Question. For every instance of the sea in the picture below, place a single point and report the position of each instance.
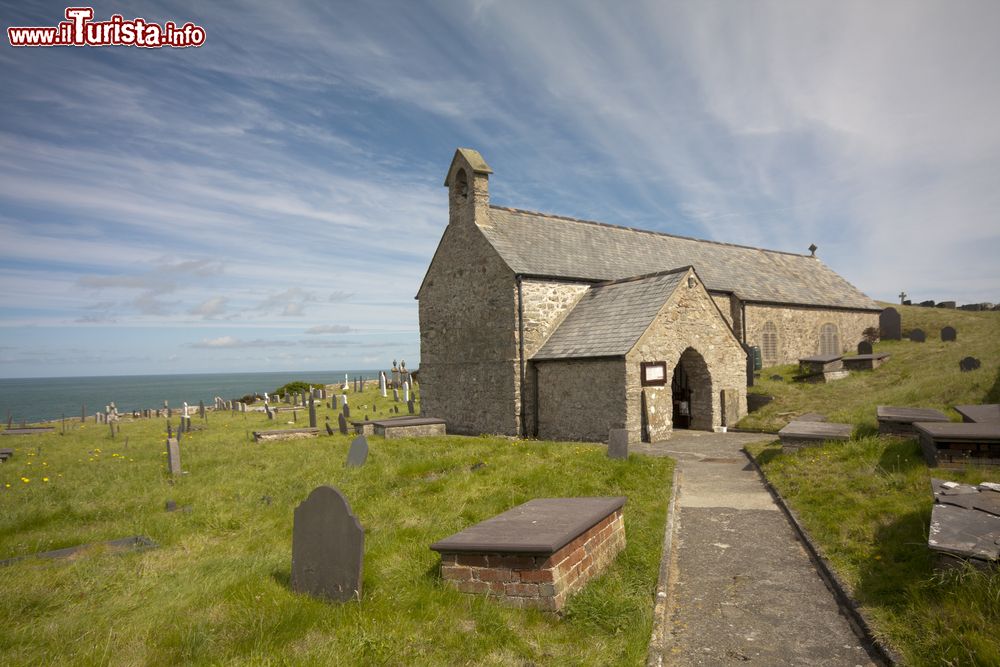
(42, 399)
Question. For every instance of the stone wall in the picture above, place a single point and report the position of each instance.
(539, 582)
(799, 328)
(580, 399)
(546, 304)
(468, 320)
(689, 319)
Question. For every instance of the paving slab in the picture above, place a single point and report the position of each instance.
(743, 588)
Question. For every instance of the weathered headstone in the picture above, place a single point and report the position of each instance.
(410, 407)
(358, 453)
(347, 410)
(173, 456)
(890, 324)
(969, 364)
(395, 394)
(948, 334)
(864, 347)
(918, 336)
(329, 429)
(312, 412)
(201, 409)
(328, 546)
(267, 409)
(618, 444)
(342, 421)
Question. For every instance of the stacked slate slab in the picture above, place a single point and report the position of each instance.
(899, 421)
(865, 362)
(799, 434)
(982, 414)
(965, 522)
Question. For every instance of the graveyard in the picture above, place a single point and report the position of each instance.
(867, 502)
(200, 570)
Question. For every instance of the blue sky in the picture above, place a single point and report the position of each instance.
(271, 200)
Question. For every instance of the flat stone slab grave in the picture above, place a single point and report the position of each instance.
(798, 434)
(409, 427)
(822, 368)
(865, 362)
(29, 430)
(135, 543)
(956, 445)
(899, 421)
(538, 553)
(6, 454)
(983, 414)
(965, 521)
(286, 434)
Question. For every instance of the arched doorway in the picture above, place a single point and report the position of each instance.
(691, 392)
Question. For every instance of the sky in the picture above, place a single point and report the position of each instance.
(271, 199)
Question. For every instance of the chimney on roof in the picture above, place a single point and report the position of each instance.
(812, 250)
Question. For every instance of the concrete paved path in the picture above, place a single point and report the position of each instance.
(743, 589)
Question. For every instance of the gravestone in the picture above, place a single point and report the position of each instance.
(927, 304)
(358, 453)
(729, 400)
(864, 347)
(347, 410)
(201, 409)
(969, 364)
(267, 409)
(410, 407)
(918, 336)
(395, 394)
(312, 413)
(329, 429)
(618, 444)
(342, 420)
(890, 324)
(174, 456)
(327, 547)
(946, 304)
(948, 334)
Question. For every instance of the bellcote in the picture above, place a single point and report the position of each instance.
(468, 187)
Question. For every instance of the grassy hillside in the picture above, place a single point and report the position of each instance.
(868, 502)
(917, 375)
(216, 590)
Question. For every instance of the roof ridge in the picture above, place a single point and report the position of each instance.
(643, 276)
(645, 231)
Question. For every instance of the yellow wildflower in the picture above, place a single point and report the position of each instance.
(45, 479)
(25, 480)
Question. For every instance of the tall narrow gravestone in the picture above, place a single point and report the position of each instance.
(347, 410)
(173, 456)
(312, 412)
(618, 444)
(358, 453)
(328, 545)
(890, 324)
(343, 423)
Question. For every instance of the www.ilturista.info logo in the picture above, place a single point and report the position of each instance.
(79, 29)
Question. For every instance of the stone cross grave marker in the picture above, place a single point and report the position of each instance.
(948, 334)
(328, 545)
(173, 456)
(918, 336)
(890, 324)
(864, 347)
(342, 421)
(312, 412)
(358, 453)
(968, 364)
(618, 444)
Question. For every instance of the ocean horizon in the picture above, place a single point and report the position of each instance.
(44, 399)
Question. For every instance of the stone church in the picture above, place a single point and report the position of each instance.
(542, 325)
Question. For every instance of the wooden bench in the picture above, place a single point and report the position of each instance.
(28, 430)
(536, 554)
(286, 434)
(865, 362)
(899, 421)
(799, 434)
(6, 454)
(409, 427)
(979, 414)
(957, 445)
(821, 368)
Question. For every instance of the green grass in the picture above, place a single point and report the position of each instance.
(216, 591)
(917, 375)
(868, 504)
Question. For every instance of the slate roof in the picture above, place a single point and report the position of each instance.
(546, 245)
(608, 319)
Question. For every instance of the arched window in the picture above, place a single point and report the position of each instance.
(829, 339)
(461, 185)
(769, 344)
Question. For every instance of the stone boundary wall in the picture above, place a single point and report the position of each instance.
(539, 582)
